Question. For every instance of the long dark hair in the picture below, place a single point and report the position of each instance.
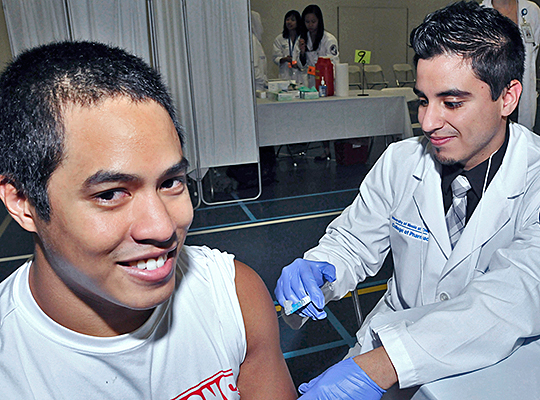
(299, 23)
(313, 9)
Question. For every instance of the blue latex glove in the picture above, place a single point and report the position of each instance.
(345, 380)
(304, 277)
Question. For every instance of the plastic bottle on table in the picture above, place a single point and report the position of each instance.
(322, 88)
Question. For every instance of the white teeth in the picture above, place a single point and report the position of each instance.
(161, 261)
(150, 264)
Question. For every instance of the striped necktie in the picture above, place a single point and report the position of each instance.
(456, 215)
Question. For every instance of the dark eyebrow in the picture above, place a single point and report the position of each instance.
(179, 168)
(447, 93)
(111, 176)
(454, 93)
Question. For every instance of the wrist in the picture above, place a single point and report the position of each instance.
(378, 366)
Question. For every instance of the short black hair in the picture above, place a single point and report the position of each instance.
(37, 87)
(491, 41)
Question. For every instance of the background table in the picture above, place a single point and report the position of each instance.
(379, 114)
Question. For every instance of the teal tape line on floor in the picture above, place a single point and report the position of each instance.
(351, 341)
(314, 349)
(244, 208)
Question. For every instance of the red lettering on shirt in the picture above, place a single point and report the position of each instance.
(220, 386)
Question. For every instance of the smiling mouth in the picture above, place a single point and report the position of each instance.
(151, 264)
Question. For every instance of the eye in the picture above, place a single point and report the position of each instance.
(422, 103)
(175, 183)
(110, 196)
(453, 104)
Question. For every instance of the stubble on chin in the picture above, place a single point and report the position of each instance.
(442, 159)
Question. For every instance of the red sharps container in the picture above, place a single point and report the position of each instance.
(324, 67)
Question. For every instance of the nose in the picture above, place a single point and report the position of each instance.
(430, 118)
(152, 222)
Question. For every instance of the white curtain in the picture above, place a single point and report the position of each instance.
(202, 48)
(171, 54)
(118, 22)
(31, 23)
(218, 62)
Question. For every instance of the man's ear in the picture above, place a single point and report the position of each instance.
(18, 206)
(510, 97)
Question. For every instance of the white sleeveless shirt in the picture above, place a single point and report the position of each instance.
(190, 348)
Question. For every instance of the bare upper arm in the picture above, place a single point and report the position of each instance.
(264, 373)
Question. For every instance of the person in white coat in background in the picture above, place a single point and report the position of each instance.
(316, 42)
(454, 304)
(259, 57)
(526, 14)
(286, 50)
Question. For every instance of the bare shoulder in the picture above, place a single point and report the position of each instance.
(264, 373)
(251, 288)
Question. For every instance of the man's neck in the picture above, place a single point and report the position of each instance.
(508, 8)
(504, 3)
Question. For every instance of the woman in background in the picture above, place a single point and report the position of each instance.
(286, 50)
(314, 43)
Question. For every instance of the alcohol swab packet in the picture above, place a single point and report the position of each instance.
(290, 307)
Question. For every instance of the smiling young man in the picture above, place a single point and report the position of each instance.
(466, 281)
(113, 305)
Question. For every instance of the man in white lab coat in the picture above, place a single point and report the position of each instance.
(455, 303)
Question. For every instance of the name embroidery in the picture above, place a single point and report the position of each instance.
(221, 386)
(410, 230)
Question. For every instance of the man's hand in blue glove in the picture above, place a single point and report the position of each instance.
(345, 380)
(304, 277)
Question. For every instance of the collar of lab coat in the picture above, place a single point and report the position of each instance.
(491, 214)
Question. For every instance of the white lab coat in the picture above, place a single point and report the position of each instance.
(328, 47)
(284, 47)
(528, 100)
(477, 301)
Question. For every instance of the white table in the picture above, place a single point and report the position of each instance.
(379, 114)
